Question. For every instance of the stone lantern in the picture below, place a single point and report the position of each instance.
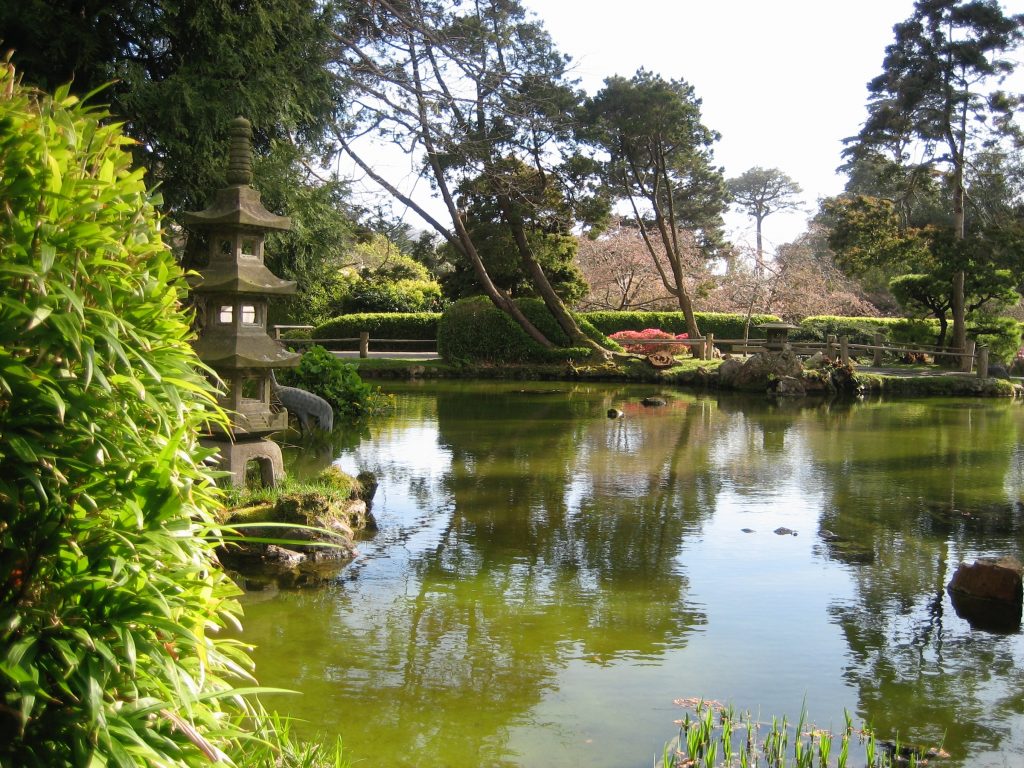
(777, 335)
(231, 295)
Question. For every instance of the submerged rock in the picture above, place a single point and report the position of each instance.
(728, 372)
(653, 401)
(790, 386)
(989, 593)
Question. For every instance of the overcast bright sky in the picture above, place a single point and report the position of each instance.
(783, 81)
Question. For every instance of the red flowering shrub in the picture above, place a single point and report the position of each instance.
(640, 342)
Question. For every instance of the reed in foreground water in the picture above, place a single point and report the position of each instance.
(713, 735)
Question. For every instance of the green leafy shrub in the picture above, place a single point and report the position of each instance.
(110, 596)
(336, 382)
(383, 325)
(1001, 334)
(862, 330)
(723, 325)
(474, 330)
(378, 295)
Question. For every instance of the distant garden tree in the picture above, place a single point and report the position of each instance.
(867, 236)
(659, 159)
(760, 192)
(618, 270)
(479, 93)
(378, 277)
(937, 103)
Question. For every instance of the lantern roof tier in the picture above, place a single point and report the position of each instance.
(237, 206)
(242, 278)
(232, 353)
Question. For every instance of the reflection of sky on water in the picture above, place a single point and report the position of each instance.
(622, 579)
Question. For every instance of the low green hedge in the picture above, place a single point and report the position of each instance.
(1003, 334)
(382, 325)
(862, 330)
(723, 325)
(474, 330)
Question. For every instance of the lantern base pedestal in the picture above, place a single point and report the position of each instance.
(235, 457)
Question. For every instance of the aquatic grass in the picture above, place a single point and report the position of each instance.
(735, 738)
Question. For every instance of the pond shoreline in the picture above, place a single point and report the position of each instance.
(699, 375)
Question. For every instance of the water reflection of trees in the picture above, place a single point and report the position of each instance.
(906, 510)
(549, 534)
(559, 546)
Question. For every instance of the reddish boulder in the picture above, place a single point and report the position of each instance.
(989, 593)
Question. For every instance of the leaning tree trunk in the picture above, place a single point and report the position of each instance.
(540, 282)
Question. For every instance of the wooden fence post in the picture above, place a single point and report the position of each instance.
(844, 350)
(876, 359)
(709, 346)
(364, 344)
(830, 344)
(967, 361)
(983, 361)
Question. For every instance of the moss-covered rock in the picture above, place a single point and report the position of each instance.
(289, 537)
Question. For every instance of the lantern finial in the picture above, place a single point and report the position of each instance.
(240, 152)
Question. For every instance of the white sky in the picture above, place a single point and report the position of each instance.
(783, 81)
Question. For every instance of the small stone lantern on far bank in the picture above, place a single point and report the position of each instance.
(777, 335)
(231, 295)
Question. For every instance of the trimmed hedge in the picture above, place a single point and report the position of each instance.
(1003, 340)
(474, 330)
(383, 325)
(723, 325)
(862, 330)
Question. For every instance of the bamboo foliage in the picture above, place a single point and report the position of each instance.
(110, 596)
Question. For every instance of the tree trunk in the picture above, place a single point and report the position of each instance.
(959, 228)
(759, 257)
(943, 326)
(958, 299)
(540, 282)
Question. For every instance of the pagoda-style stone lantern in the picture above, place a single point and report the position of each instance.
(231, 296)
(777, 335)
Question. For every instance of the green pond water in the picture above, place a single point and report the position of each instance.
(547, 581)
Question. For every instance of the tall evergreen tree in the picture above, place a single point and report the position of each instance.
(660, 160)
(760, 192)
(937, 101)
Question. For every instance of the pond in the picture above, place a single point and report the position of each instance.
(547, 581)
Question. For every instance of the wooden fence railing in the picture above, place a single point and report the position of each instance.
(363, 340)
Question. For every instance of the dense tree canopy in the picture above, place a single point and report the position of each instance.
(937, 102)
(480, 93)
(660, 160)
(177, 73)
